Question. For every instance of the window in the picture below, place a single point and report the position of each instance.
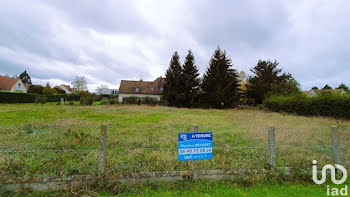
(19, 85)
(152, 89)
(137, 89)
(161, 89)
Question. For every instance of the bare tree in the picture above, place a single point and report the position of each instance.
(101, 87)
(79, 83)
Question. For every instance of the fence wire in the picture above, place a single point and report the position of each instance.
(34, 151)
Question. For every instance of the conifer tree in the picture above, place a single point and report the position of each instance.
(269, 80)
(220, 82)
(190, 81)
(172, 91)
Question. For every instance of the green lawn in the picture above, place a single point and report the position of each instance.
(199, 188)
(240, 139)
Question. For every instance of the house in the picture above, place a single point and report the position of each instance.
(66, 88)
(316, 92)
(106, 91)
(141, 88)
(9, 84)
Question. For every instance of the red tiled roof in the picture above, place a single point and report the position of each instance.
(6, 83)
(145, 87)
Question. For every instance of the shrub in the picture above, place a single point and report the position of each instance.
(143, 100)
(86, 101)
(66, 97)
(104, 101)
(10, 97)
(71, 103)
(330, 105)
(40, 99)
(113, 101)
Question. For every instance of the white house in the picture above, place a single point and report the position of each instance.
(12, 84)
(141, 88)
(106, 91)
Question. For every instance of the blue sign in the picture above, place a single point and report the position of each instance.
(195, 146)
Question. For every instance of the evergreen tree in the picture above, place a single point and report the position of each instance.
(268, 80)
(190, 81)
(173, 88)
(25, 78)
(220, 82)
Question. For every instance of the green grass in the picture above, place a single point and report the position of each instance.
(198, 188)
(240, 138)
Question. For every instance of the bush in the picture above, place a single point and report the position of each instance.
(113, 101)
(10, 97)
(86, 101)
(104, 101)
(330, 105)
(40, 99)
(66, 97)
(71, 103)
(142, 100)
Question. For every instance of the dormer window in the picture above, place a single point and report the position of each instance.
(152, 89)
(137, 89)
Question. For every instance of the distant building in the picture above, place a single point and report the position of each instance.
(141, 88)
(9, 84)
(106, 91)
(316, 92)
(66, 88)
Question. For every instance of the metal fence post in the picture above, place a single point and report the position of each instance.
(271, 142)
(195, 174)
(103, 154)
(335, 145)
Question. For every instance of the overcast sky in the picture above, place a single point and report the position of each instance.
(107, 41)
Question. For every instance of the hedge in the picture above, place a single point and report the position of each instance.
(143, 100)
(11, 97)
(66, 97)
(337, 106)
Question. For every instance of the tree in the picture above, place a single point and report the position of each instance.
(343, 86)
(25, 78)
(314, 88)
(220, 82)
(191, 81)
(267, 77)
(79, 84)
(327, 87)
(173, 87)
(36, 89)
(100, 88)
(48, 90)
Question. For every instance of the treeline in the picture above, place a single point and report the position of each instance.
(222, 86)
(326, 104)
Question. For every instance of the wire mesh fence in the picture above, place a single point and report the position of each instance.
(37, 151)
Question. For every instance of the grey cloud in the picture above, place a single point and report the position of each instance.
(113, 40)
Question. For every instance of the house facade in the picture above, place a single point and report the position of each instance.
(107, 91)
(9, 84)
(141, 88)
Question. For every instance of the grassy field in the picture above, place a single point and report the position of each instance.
(240, 138)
